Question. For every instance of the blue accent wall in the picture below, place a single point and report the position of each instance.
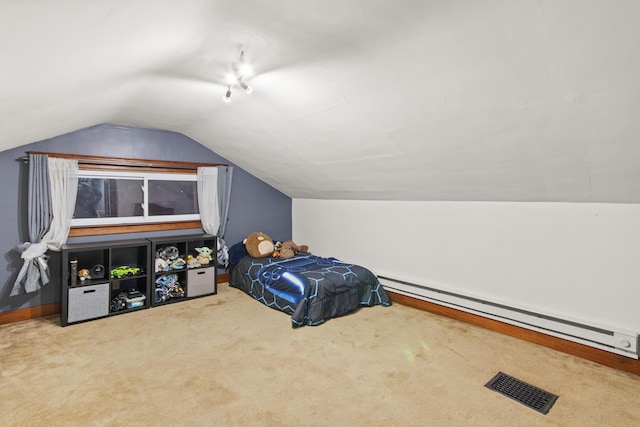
(255, 205)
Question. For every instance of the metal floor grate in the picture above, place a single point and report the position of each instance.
(522, 392)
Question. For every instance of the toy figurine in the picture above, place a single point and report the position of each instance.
(204, 255)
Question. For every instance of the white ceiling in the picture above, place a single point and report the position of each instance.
(509, 100)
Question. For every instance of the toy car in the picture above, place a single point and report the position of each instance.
(131, 299)
(119, 302)
(125, 271)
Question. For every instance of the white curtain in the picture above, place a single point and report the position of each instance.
(208, 199)
(63, 181)
(63, 174)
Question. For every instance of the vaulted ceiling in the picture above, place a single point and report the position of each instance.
(507, 100)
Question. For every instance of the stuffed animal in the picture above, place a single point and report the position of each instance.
(204, 255)
(192, 262)
(288, 249)
(259, 245)
(276, 249)
(161, 265)
(84, 274)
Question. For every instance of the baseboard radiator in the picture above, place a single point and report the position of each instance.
(621, 342)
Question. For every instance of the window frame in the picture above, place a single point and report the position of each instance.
(144, 177)
(102, 163)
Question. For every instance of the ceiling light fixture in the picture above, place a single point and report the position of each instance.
(240, 70)
(244, 86)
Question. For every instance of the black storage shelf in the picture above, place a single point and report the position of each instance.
(103, 296)
(97, 297)
(188, 284)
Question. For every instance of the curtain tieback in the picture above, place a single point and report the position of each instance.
(30, 251)
(33, 250)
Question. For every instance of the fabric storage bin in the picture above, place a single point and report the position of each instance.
(201, 281)
(88, 302)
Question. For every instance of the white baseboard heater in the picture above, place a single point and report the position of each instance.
(621, 342)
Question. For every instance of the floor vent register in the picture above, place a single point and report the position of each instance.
(528, 395)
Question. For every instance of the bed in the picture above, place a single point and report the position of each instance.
(310, 288)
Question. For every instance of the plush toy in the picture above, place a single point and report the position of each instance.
(161, 265)
(192, 262)
(276, 249)
(204, 255)
(288, 249)
(84, 274)
(259, 245)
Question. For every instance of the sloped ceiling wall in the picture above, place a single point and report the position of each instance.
(508, 100)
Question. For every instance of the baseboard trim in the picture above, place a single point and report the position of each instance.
(29, 313)
(602, 357)
(53, 308)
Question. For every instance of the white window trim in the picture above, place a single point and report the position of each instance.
(144, 219)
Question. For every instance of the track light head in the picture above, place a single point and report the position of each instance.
(227, 96)
(244, 86)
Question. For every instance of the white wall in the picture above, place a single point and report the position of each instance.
(571, 260)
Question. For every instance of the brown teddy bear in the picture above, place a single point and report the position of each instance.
(288, 249)
(259, 245)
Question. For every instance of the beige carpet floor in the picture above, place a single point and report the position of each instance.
(227, 360)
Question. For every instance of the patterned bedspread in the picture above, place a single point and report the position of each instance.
(310, 288)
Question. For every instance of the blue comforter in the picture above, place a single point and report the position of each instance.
(310, 288)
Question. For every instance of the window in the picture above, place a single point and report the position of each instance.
(114, 192)
(119, 197)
